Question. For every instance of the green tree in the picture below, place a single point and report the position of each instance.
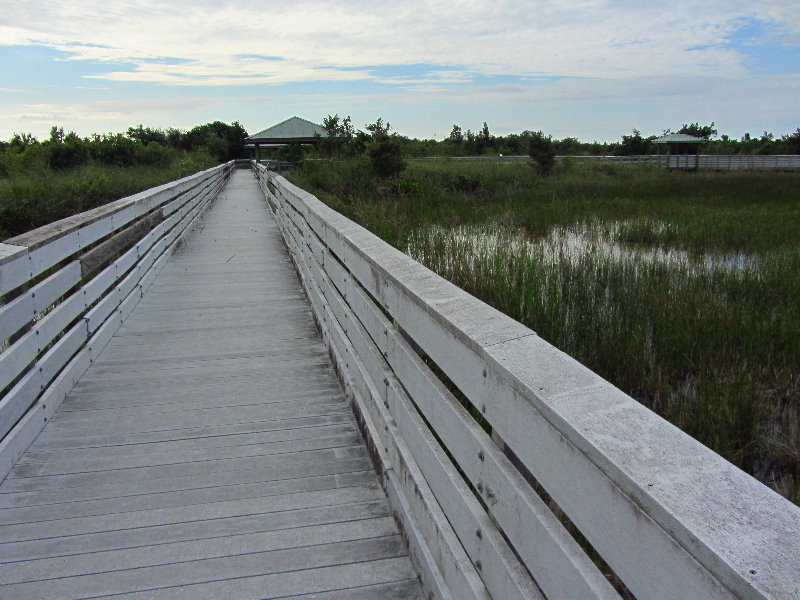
(339, 135)
(792, 141)
(384, 151)
(542, 150)
(635, 144)
(145, 135)
(224, 142)
(456, 136)
(702, 131)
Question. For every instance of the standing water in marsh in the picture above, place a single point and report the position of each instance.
(663, 324)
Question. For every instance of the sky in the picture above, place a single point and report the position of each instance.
(591, 69)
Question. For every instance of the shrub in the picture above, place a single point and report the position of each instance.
(384, 151)
(542, 150)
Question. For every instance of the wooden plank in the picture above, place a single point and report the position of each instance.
(15, 267)
(79, 564)
(90, 439)
(183, 498)
(311, 581)
(162, 516)
(22, 309)
(153, 457)
(194, 530)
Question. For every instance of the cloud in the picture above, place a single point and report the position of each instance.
(233, 43)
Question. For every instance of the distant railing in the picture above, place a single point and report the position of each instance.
(67, 287)
(733, 162)
(488, 490)
(709, 162)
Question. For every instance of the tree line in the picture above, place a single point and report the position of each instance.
(137, 146)
(482, 142)
(343, 140)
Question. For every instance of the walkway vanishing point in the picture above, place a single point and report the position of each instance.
(175, 426)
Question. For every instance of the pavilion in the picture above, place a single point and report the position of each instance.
(680, 144)
(291, 131)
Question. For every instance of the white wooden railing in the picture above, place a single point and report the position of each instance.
(733, 162)
(670, 518)
(68, 286)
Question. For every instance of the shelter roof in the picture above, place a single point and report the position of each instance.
(678, 138)
(291, 130)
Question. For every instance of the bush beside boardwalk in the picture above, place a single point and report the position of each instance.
(683, 294)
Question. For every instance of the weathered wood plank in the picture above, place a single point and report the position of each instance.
(78, 564)
(273, 474)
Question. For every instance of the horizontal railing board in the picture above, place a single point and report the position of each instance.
(14, 361)
(25, 307)
(457, 568)
(553, 395)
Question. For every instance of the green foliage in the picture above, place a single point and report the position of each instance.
(542, 150)
(340, 134)
(702, 131)
(384, 151)
(44, 181)
(292, 153)
(635, 144)
(456, 137)
(224, 142)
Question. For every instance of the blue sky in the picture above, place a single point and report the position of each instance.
(592, 69)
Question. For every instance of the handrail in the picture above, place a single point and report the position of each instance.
(68, 286)
(671, 518)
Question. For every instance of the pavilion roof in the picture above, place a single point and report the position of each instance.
(678, 138)
(293, 129)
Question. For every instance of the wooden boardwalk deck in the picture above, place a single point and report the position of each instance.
(209, 452)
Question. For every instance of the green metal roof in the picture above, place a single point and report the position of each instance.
(293, 129)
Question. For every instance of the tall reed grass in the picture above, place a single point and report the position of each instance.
(33, 197)
(680, 288)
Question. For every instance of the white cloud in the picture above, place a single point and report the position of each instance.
(319, 40)
(602, 65)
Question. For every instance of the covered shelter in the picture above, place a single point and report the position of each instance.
(680, 144)
(293, 130)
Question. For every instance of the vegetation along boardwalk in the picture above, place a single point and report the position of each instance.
(209, 451)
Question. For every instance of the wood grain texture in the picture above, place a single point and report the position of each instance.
(208, 452)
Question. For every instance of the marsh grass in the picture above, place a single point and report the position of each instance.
(680, 288)
(30, 198)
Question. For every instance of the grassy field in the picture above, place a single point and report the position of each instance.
(33, 197)
(680, 288)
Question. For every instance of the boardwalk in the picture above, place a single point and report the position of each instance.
(209, 452)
